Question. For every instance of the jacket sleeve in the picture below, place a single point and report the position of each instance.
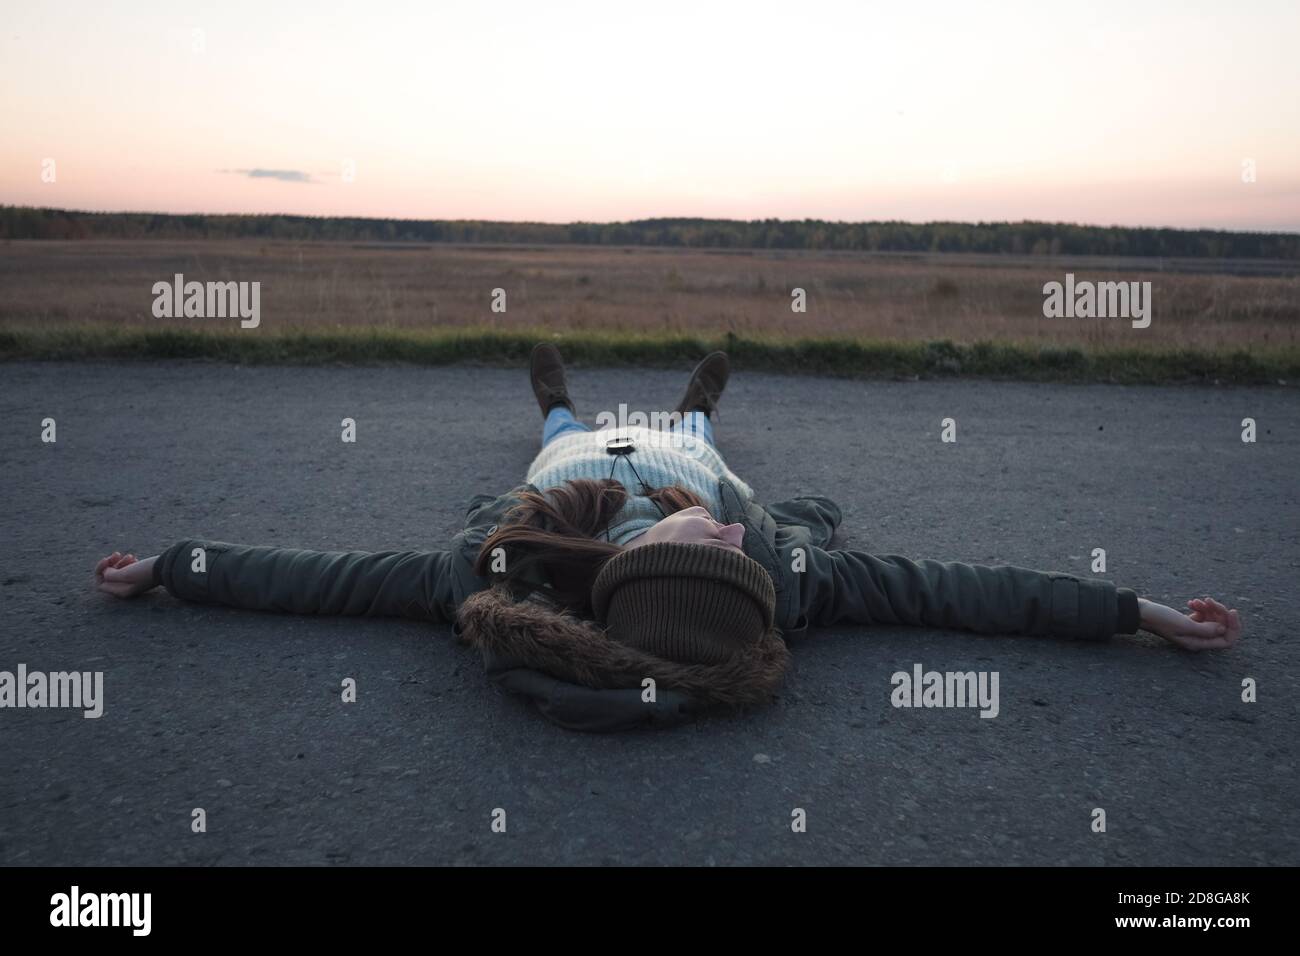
(842, 587)
(414, 584)
(817, 515)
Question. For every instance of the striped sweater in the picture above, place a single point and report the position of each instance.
(660, 458)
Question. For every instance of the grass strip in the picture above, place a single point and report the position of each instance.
(831, 357)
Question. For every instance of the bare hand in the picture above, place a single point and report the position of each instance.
(122, 576)
(1210, 626)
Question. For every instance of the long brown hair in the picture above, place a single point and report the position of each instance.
(552, 538)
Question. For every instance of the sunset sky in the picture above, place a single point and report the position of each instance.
(1135, 113)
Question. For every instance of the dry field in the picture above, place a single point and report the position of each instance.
(569, 288)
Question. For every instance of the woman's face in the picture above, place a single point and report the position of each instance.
(692, 526)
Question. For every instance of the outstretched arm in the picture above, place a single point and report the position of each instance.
(842, 587)
(389, 583)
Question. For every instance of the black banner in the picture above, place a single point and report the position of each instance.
(332, 905)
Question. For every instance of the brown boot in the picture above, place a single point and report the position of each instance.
(706, 384)
(546, 370)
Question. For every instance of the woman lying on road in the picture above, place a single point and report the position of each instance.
(634, 554)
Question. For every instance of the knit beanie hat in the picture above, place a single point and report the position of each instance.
(688, 603)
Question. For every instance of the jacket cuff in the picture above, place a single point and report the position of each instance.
(162, 568)
(1129, 618)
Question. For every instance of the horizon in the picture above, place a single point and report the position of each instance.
(1120, 115)
(614, 222)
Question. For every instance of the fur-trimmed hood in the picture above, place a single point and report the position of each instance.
(532, 635)
(512, 650)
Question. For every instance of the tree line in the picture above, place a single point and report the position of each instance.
(1016, 238)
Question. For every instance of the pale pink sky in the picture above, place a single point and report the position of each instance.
(1138, 113)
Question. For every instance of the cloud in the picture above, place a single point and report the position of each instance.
(283, 175)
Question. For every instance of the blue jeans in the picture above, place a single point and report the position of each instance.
(560, 421)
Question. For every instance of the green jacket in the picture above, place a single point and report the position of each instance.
(815, 587)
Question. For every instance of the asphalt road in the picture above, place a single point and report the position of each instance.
(240, 714)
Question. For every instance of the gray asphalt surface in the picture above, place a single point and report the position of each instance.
(239, 713)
